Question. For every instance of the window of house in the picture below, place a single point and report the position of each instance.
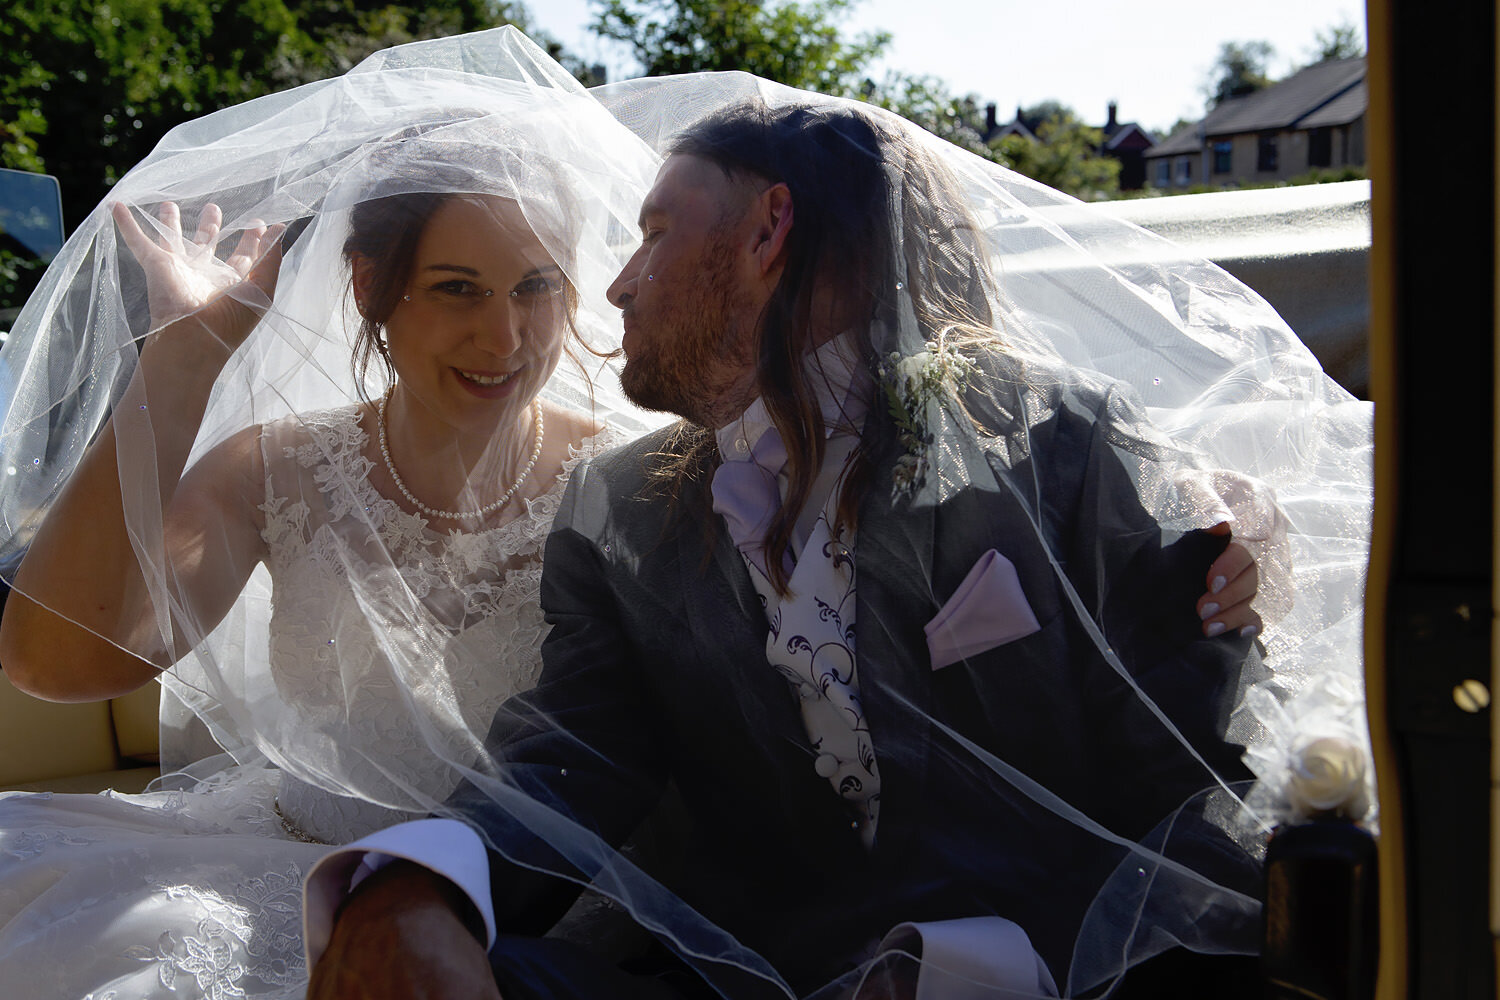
(1223, 156)
(1320, 147)
(1184, 170)
(1265, 154)
(1163, 173)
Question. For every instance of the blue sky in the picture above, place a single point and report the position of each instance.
(1085, 53)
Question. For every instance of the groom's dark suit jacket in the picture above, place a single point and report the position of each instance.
(655, 673)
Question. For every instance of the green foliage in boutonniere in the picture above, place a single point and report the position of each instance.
(916, 388)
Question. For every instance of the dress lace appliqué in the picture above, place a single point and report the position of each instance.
(367, 599)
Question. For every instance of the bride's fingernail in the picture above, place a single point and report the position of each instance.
(1208, 611)
(1217, 585)
(1217, 628)
(1249, 632)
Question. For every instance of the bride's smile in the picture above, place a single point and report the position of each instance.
(485, 380)
(478, 329)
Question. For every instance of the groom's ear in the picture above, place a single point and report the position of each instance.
(774, 225)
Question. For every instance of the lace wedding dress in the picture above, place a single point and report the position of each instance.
(197, 893)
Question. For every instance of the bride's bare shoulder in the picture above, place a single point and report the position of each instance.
(569, 427)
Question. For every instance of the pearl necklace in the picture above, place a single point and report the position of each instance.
(487, 509)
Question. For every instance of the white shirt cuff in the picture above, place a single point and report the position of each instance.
(972, 958)
(444, 846)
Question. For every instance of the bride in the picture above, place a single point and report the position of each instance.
(317, 435)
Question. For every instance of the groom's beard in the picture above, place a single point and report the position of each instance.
(697, 357)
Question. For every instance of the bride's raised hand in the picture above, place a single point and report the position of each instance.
(189, 287)
(72, 633)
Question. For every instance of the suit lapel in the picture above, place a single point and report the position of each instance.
(721, 591)
(729, 629)
(893, 600)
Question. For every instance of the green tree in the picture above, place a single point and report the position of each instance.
(926, 101)
(1240, 69)
(798, 44)
(1337, 41)
(88, 87)
(1064, 155)
(341, 33)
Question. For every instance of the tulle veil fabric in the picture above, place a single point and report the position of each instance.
(1204, 398)
(495, 116)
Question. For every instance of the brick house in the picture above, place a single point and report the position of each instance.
(1313, 119)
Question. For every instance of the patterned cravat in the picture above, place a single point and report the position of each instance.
(746, 493)
(811, 638)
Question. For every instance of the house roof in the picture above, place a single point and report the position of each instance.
(1342, 110)
(1017, 127)
(1325, 93)
(1129, 136)
(1285, 104)
(1184, 140)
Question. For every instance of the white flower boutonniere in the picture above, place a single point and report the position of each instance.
(916, 388)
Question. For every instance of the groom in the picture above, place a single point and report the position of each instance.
(936, 750)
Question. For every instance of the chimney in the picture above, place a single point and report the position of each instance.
(1111, 125)
(989, 119)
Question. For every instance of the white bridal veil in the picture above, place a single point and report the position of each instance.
(1204, 404)
(495, 117)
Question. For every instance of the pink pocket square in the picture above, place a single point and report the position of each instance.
(987, 610)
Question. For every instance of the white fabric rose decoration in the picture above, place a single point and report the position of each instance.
(1328, 779)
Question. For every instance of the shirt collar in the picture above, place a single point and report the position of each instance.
(842, 387)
